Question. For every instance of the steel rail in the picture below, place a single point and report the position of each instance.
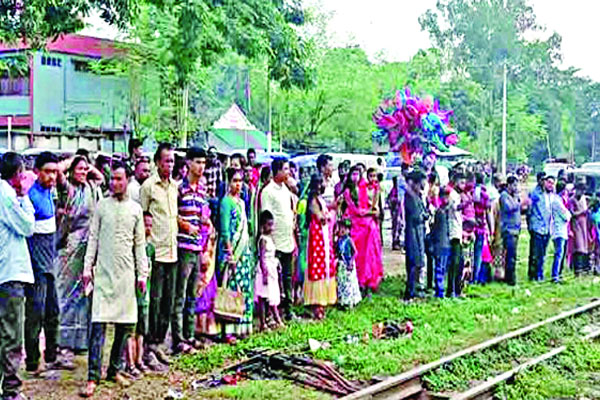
(408, 384)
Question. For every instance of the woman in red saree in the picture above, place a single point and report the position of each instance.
(320, 285)
(365, 232)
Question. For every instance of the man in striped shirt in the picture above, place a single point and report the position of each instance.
(194, 215)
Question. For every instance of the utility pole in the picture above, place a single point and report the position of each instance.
(504, 122)
(504, 109)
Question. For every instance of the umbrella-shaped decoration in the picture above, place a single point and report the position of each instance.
(413, 125)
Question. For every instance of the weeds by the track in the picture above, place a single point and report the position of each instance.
(575, 374)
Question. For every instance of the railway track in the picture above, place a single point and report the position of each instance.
(411, 386)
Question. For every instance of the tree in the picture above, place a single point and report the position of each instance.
(35, 21)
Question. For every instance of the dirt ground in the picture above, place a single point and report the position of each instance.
(66, 385)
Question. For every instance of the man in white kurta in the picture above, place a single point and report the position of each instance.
(115, 252)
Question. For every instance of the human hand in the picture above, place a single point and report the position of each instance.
(141, 285)
(193, 230)
(86, 281)
(265, 278)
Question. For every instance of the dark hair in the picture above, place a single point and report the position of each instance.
(45, 158)
(231, 172)
(147, 214)
(433, 177)
(159, 150)
(277, 165)
(11, 164)
(371, 170)
(292, 164)
(83, 152)
(479, 178)
(560, 185)
(322, 160)
(314, 190)
(379, 161)
(539, 176)
(265, 217)
(457, 176)
(416, 176)
(346, 223)
(241, 158)
(179, 165)
(195, 152)
(250, 151)
(265, 173)
(133, 144)
(141, 160)
(118, 164)
(511, 180)
(351, 186)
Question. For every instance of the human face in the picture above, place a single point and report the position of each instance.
(342, 171)
(118, 182)
(461, 184)
(372, 177)
(252, 158)
(283, 173)
(148, 224)
(235, 186)
(80, 172)
(328, 169)
(138, 152)
(197, 166)
(17, 182)
(47, 175)
(268, 227)
(355, 176)
(235, 163)
(142, 172)
(166, 163)
(549, 185)
(513, 188)
(343, 231)
(293, 172)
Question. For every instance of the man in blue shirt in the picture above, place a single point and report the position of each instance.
(41, 304)
(539, 224)
(16, 223)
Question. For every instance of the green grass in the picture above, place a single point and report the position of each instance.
(574, 374)
(441, 326)
(255, 390)
(462, 373)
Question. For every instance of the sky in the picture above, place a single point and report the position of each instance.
(391, 28)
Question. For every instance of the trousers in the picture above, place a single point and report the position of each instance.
(185, 297)
(285, 259)
(162, 298)
(97, 337)
(12, 315)
(455, 268)
(41, 311)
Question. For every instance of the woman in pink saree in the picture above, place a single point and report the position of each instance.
(365, 234)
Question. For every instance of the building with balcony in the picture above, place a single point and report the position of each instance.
(61, 101)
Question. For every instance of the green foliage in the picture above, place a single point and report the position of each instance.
(549, 109)
(38, 20)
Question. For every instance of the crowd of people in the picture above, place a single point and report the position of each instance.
(467, 232)
(179, 253)
(164, 249)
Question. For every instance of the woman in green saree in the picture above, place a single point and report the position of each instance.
(235, 252)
